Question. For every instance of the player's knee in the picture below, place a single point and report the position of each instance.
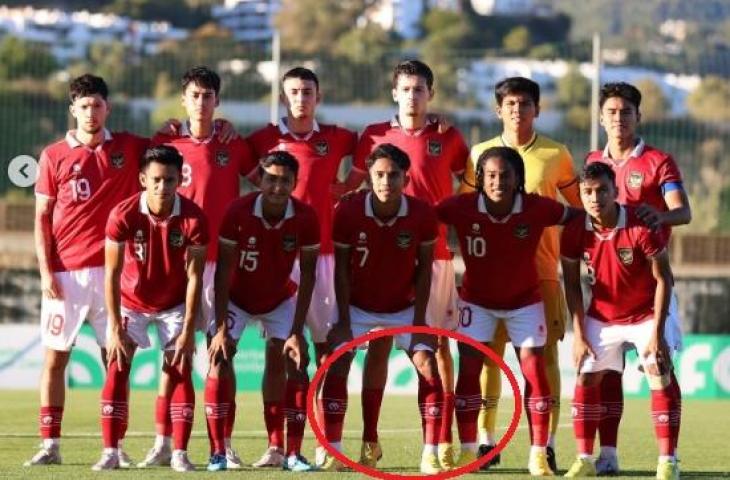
(56, 361)
(658, 381)
(341, 366)
(425, 363)
(466, 350)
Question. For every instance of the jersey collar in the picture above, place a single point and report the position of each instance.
(185, 132)
(402, 211)
(395, 123)
(284, 130)
(516, 208)
(608, 235)
(145, 209)
(258, 211)
(74, 142)
(523, 148)
(636, 152)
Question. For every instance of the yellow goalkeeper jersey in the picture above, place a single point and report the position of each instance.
(548, 169)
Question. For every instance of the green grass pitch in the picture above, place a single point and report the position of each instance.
(703, 444)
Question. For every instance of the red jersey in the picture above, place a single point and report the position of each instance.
(86, 183)
(499, 253)
(435, 159)
(383, 256)
(211, 171)
(643, 177)
(619, 266)
(154, 277)
(319, 155)
(265, 253)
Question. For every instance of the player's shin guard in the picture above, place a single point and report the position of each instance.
(586, 415)
(447, 418)
(333, 404)
(372, 399)
(182, 406)
(114, 404)
(274, 420)
(216, 413)
(537, 398)
(163, 423)
(677, 393)
(229, 389)
(49, 421)
(468, 397)
(666, 412)
(430, 404)
(296, 414)
(612, 408)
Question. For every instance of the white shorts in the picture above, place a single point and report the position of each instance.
(83, 300)
(206, 313)
(323, 308)
(608, 343)
(442, 310)
(673, 326)
(169, 325)
(363, 321)
(274, 324)
(525, 326)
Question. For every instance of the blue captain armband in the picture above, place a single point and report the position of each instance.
(671, 186)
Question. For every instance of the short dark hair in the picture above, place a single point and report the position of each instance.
(202, 76)
(87, 85)
(301, 73)
(389, 151)
(413, 67)
(515, 85)
(620, 89)
(164, 154)
(509, 155)
(596, 171)
(280, 158)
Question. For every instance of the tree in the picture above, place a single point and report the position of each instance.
(19, 58)
(366, 44)
(517, 41)
(654, 104)
(573, 89)
(710, 102)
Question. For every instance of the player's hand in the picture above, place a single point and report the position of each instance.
(119, 348)
(581, 350)
(51, 287)
(651, 217)
(171, 127)
(656, 356)
(338, 335)
(184, 346)
(221, 345)
(443, 121)
(226, 131)
(295, 348)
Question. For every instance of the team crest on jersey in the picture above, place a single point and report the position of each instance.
(362, 237)
(434, 148)
(522, 231)
(222, 158)
(322, 148)
(117, 160)
(475, 227)
(139, 237)
(289, 242)
(404, 239)
(252, 241)
(176, 238)
(626, 255)
(635, 179)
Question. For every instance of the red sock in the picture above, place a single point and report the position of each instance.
(296, 414)
(182, 406)
(430, 404)
(216, 414)
(666, 414)
(677, 394)
(333, 404)
(372, 399)
(586, 415)
(274, 420)
(49, 421)
(537, 398)
(612, 408)
(231, 418)
(125, 422)
(163, 424)
(447, 418)
(114, 404)
(468, 397)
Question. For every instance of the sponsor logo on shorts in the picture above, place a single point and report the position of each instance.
(222, 158)
(626, 255)
(522, 230)
(434, 148)
(176, 238)
(117, 160)
(322, 148)
(404, 239)
(289, 242)
(635, 179)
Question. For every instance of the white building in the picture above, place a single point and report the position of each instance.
(401, 16)
(502, 7)
(248, 20)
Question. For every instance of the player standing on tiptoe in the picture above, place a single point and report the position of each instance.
(548, 170)
(631, 284)
(262, 235)
(648, 179)
(81, 178)
(499, 228)
(155, 253)
(384, 234)
(437, 158)
(319, 149)
(210, 178)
